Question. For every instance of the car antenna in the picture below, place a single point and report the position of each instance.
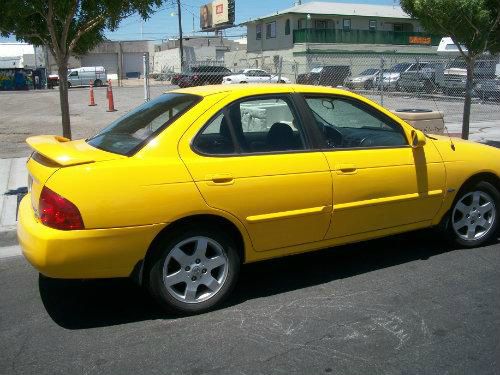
(448, 134)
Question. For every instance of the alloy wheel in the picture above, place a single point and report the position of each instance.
(195, 269)
(474, 215)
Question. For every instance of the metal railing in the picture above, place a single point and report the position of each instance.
(364, 37)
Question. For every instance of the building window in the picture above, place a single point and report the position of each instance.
(287, 27)
(302, 24)
(320, 24)
(372, 25)
(398, 27)
(271, 30)
(346, 24)
(258, 32)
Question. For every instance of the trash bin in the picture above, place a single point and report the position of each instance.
(427, 120)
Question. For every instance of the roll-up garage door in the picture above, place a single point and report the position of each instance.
(108, 60)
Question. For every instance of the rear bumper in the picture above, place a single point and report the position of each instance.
(82, 254)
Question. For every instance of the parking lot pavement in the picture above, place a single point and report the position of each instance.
(403, 305)
(30, 113)
(37, 112)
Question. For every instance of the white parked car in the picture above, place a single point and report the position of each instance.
(254, 76)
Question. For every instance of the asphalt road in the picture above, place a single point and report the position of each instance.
(403, 305)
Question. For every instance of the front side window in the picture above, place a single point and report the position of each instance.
(287, 27)
(271, 30)
(126, 134)
(350, 124)
(258, 125)
(73, 74)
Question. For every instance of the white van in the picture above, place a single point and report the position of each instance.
(84, 75)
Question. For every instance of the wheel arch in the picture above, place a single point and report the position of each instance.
(489, 177)
(142, 269)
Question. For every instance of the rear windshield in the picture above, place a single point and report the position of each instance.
(129, 133)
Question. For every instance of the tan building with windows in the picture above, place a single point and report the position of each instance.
(334, 27)
(336, 23)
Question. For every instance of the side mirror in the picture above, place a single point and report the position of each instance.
(417, 138)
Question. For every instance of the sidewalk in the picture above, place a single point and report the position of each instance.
(13, 180)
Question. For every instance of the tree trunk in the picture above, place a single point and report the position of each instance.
(63, 98)
(468, 97)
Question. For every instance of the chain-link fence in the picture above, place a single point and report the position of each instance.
(395, 81)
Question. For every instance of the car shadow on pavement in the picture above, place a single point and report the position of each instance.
(76, 304)
(81, 304)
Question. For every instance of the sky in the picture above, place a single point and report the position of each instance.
(163, 24)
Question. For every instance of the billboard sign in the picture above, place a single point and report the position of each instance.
(220, 14)
(206, 16)
(217, 15)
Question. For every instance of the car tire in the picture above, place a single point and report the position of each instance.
(97, 83)
(242, 82)
(473, 217)
(192, 257)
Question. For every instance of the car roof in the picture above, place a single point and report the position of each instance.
(258, 89)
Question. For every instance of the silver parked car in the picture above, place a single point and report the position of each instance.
(364, 80)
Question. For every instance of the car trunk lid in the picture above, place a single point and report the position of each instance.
(52, 153)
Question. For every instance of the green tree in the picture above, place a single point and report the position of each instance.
(473, 24)
(67, 27)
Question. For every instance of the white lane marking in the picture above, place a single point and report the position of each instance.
(10, 251)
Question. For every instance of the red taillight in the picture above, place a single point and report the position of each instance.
(58, 212)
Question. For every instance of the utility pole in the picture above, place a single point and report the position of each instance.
(181, 50)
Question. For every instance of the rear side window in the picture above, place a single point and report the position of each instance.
(250, 126)
(130, 132)
(216, 137)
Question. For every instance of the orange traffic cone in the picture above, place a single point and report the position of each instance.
(111, 102)
(91, 90)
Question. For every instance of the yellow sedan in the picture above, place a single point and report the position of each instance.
(181, 191)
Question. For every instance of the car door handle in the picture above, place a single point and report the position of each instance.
(220, 179)
(346, 169)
